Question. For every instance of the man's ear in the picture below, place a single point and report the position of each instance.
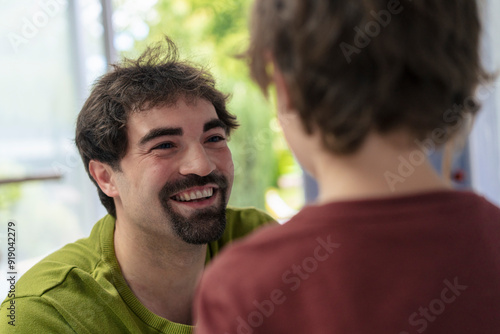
(103, 175)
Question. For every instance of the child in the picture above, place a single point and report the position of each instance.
(366, 88)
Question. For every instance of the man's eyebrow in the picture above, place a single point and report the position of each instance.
(159, 132)
(214, 123)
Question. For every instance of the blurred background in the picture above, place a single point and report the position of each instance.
(53, 50)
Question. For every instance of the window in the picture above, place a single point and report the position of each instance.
(54, 49)
(485, 137)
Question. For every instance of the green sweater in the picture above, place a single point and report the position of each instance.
(80, 288)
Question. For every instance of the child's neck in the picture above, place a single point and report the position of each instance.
(381, 168)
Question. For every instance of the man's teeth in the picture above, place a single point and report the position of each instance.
(194, 195)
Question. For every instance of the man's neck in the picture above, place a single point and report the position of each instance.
(161, 273)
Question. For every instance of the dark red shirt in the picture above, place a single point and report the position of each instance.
(421, 263)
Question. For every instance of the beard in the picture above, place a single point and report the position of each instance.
(205, 225)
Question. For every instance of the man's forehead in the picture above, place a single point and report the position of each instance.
(176, 112)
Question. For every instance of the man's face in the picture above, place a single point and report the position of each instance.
(177, 174)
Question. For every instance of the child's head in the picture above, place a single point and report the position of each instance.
(356, 66)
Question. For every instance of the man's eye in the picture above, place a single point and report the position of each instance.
(163, 146)
(216, 139)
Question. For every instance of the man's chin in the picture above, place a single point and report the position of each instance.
(202, 227)
(197, 226)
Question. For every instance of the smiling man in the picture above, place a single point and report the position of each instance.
(153, 138)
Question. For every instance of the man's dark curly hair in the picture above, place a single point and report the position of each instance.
(156, 78)
(356, 66)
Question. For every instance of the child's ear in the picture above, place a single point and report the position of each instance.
(282, 90)
(103, 175)
(287, 113)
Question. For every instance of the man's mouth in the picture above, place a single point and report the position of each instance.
(195, 194)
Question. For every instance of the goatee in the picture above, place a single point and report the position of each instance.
(205, 225)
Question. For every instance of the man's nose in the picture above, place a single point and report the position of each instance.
(196, 161)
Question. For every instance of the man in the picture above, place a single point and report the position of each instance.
(153, 138)
(364, 89)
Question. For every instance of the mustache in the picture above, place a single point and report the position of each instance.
(173, 187)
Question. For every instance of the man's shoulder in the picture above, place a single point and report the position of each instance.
(242, 221)
(82, 255)
(248, 215)
(42, 277)
(64, 286)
